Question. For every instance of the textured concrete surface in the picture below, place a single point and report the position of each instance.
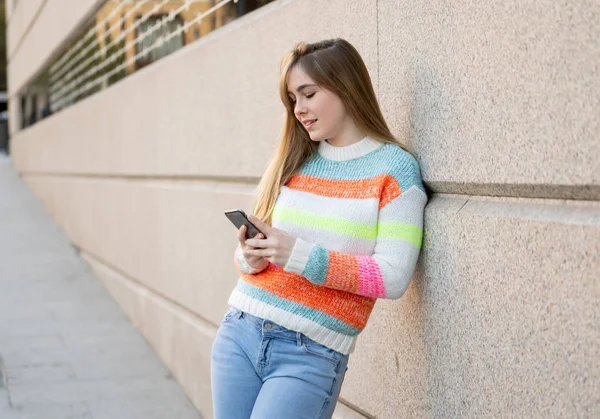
(155, 232)
(66, 348)
(502, 319)
(344, 412)
(497, 98)
(180, 338)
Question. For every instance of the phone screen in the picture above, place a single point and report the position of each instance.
(239, 218)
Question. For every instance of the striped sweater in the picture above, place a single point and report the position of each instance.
(357, 214)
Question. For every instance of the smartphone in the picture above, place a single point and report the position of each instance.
(239, 218)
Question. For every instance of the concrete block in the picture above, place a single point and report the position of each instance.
(495, 98)
(502, 317)
(181, 339)
(181, 233)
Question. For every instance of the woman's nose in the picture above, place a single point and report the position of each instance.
(299, 109)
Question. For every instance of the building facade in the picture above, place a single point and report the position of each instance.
(500, 102)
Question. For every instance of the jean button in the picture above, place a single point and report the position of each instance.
(268, 326)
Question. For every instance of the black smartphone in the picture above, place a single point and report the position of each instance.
(239, 218)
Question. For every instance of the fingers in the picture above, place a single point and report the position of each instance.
(265, 253)
(258, 243)
(241, 236)
(265, 228)
(246, 253)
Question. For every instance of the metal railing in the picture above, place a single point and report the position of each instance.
(124, 36)
(61, 93)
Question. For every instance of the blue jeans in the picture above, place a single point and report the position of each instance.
(261, 370)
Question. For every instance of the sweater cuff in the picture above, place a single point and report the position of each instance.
(245, 267)
(299, 257)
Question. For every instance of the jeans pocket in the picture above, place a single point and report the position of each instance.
(321, 351)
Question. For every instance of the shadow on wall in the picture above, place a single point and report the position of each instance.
(431, 114)
(440, 300)
(439, 294)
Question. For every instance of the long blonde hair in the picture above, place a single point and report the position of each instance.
(334, 65)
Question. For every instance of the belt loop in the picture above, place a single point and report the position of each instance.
(298, 339)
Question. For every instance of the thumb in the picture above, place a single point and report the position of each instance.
(264, 227)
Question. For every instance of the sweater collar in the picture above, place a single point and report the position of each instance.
(352, 151)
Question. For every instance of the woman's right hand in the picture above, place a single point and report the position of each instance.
(257, 262)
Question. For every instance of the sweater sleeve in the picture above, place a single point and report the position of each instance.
(384, 274)
(242, 265)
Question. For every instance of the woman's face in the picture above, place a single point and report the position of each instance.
(320, 111)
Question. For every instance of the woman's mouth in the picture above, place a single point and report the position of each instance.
(309, 124)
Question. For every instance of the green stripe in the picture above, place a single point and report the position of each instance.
(323, 222)
(402, 231)
(384, 230)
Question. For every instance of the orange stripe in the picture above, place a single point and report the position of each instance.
(340, 266)
(384, 187)
(391, 191)
(352, 309)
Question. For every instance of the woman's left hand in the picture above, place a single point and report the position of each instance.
(276, 248)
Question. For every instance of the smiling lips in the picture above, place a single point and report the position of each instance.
(309, 123)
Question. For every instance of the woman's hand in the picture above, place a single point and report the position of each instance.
(276, 248)
(256, 262)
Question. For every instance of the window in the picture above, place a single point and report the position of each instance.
(148, 36)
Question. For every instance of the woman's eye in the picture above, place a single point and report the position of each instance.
(309, 96)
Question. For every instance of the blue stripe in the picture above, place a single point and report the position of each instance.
(316, 267)
(316, 316)
(390, 159)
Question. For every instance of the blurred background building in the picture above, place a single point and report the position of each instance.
(137, 123)
(121, 38)
(3, 93)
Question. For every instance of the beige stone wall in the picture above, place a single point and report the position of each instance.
(500, 103)
(19, 22)
(8, 8)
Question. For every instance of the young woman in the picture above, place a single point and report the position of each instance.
(341, 206)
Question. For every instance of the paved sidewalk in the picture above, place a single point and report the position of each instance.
(66, 349)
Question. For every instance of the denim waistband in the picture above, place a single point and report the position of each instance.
(270, 328)
(266, 325)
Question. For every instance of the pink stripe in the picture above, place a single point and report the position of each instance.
(371, 280)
